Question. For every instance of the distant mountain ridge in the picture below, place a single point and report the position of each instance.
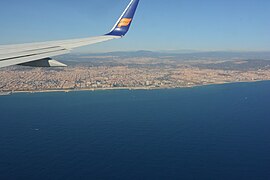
(213, 54)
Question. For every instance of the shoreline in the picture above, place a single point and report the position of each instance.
(124, 88)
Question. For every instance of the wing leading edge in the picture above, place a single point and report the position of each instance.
(39, 54)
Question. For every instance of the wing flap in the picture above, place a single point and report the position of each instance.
(48, 62)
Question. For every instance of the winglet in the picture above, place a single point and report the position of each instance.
(122, 25)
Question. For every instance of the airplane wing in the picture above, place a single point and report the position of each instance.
(40, 54)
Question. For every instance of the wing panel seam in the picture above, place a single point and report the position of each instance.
(12, 58)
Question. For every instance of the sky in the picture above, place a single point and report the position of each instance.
(204, 25)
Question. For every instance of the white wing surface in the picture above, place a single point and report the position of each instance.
(40, 54)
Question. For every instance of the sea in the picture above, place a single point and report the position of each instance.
(219, 132)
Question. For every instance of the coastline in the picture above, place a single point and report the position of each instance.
(124, 88)
(5, 93)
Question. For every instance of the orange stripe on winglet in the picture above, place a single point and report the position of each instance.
(124, 22)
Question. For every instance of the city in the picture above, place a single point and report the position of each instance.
(140, 73)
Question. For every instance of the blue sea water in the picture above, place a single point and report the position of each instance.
(211, 132)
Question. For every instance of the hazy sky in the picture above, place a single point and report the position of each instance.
(158, 24)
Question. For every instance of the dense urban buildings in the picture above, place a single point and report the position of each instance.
(132, 73)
